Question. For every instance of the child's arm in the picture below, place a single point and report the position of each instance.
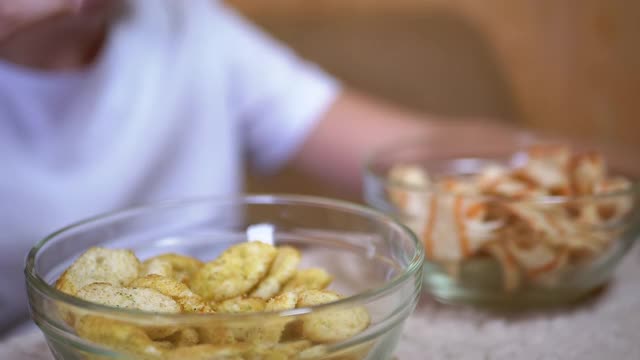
(292, 112)
(337, 147)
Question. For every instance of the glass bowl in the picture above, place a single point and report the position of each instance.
(489, 274)
(375, 261)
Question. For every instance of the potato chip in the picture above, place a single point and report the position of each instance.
(489, 176)
(511, 188)
(283, 269)
(456, 228)
(156, 266)
(133, 298)
(215, 334)
(308, 279)
(293, 347)
(544, 174)
(576, 236)
(330, 325)
(99, 265)
(535, 218)
(586, 171)
(241, 330)
(552, 226)
(465, 187)
(283, 351)
(164, 344)
(239, 305)
(412, 177)
(355, 352)
(270, 331)
(208, 352)
(285, 301)
(184, 337)
(235, 272)
(618, 204)
(182, 267)
(588, 214)
(128, 298)
(119, 336)
(546, 169)
(316, 297)
(188, 301)
(335, 326)
(409, 175)
(314, 352)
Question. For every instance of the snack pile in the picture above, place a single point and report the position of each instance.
(249, 277)
(555, 211)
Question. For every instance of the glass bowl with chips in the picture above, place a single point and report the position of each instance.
(521, 224)
(255, 277)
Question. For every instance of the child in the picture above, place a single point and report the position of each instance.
(109, 103)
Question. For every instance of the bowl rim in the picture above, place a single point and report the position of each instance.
(414, 266)
(420, 144)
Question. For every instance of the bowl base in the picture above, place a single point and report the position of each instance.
(522, 299)
(480, 283)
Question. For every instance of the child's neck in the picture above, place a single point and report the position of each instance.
(65, 43)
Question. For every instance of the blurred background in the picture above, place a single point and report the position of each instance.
(570, 67)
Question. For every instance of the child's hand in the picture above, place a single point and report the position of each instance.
(16, 14)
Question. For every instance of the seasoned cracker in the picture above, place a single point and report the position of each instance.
(235, 272)
(331, 325)
(184, 337)
(308, 279)
(129, 298)
(182, 267)
(189, 302)
(239, 305)
(118, 336)
(283, 269)
(208, 352)
(99, 265)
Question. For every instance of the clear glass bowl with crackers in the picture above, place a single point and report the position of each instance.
(256, 277)
(518, 224)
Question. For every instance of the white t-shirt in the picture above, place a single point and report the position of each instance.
(180, 93)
